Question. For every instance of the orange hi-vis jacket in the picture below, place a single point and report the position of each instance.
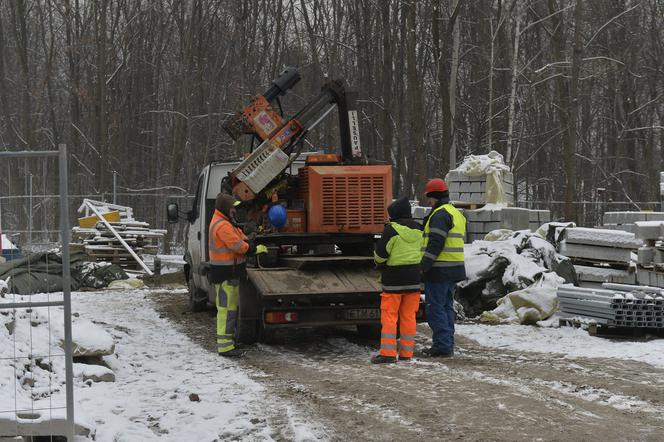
(227, 244)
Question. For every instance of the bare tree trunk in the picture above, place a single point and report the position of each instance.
(570, 151)
(515, 73)
(453, 86)
(387, 84)
(416, 117)
(4, 110)
(20, 28)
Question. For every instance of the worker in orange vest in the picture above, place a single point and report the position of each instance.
(228, 247)
(398, 252)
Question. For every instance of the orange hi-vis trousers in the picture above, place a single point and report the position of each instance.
(402, 307)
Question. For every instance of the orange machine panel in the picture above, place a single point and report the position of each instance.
(347, 199)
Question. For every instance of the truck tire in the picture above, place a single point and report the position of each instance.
(197, 299)
(247, 332)
(247, 324)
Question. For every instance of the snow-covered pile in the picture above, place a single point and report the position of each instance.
(528, 306)
(89, 339)
(477, 165)
(524, 260)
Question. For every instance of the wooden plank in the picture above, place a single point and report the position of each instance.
(294, 282)
(124, 244)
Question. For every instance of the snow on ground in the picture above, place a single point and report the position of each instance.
(568, 341)
(167, 387)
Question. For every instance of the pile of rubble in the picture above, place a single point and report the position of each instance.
(111, 234)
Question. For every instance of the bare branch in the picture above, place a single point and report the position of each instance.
(86, 139)
(609, 22)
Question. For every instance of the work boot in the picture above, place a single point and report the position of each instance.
(234, 353)
(380, 359)
(433, 353)
(405, 358)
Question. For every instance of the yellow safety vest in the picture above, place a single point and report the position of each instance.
(452, 253)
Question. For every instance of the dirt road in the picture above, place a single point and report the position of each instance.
(480, 394)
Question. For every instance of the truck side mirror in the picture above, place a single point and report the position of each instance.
(172, 213)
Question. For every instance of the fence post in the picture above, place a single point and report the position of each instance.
(66, 287)
(30, 209)
(115, 187)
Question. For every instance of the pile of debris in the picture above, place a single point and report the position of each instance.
(110, 233)
(509, 262)
(616, 305)
(42, 273)
(600, 255)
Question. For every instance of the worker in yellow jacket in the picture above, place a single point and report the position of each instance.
(398, 253)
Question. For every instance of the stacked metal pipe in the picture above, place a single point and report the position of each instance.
(619, 305)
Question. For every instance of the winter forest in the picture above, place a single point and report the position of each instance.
(569, 91)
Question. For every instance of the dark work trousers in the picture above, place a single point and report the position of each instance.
(440, 314)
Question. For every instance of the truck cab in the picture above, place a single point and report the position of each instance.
(198, 219)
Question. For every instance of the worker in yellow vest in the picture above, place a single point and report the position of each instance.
(442, 265)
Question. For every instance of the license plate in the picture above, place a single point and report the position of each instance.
(362, 313)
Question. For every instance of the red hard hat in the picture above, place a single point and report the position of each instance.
(435, 185)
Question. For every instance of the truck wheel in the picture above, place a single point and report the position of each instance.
(247, 332)
(369, 331)
(267, 336)
(197, 299)
(247, 324)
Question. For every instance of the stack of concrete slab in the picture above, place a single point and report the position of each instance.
(651, 256)
(626, 220)
(473, 189)
(600, 255)
(493, 217)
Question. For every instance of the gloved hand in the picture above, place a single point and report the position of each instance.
(260, 248)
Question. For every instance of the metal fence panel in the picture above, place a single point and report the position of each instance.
(18, 412)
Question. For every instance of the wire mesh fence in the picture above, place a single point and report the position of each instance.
(27, 219)
(36, 370)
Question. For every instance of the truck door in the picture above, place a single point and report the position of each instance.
(198, 233)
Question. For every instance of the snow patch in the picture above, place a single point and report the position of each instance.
(572, 342)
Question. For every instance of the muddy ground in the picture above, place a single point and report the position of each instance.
(480, 394)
